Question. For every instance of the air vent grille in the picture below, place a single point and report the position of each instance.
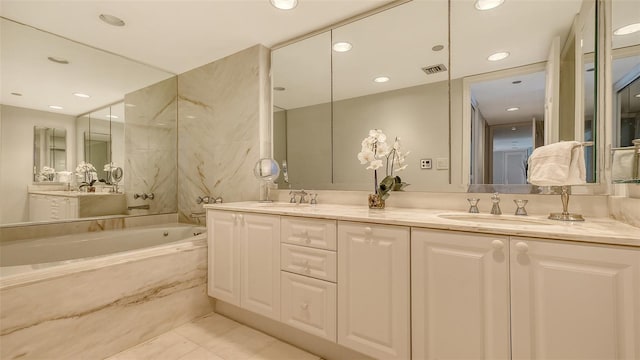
(434, 69)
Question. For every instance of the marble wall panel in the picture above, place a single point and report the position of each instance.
(97, 313)
(220, 109)
(151, 147)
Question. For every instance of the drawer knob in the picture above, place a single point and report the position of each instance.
(368, 230)
(304, 306)
(522, 247)
(497, 244)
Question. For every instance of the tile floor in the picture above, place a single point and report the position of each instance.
(214, 337)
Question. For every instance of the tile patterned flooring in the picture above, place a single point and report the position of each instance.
(214, 337)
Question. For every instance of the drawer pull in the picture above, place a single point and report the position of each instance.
(497, 244)
(522, 247)
(304, 306)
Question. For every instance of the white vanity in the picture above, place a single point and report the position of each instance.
(64, 205)
(412, 283)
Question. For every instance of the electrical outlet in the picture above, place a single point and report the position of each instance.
(425, 163)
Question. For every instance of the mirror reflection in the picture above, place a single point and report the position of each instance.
(64, 110)
(386, 71)
(625, 71)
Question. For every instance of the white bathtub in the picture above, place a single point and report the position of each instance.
(92, 295)
(25, 255)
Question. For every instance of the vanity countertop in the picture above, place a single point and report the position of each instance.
(593, 230)
(72, 193)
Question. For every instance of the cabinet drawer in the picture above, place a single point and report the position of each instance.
(309, 305)
(315, 233)
(312, 262)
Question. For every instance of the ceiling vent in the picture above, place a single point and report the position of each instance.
(434, 69)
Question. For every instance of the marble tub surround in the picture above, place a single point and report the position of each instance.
(110, 305)
(220, 113)
(150, 147)
(602, 230)
(39, 230)
(625, 209)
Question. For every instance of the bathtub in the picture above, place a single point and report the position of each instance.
(92, 295)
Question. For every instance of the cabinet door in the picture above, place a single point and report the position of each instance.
(459, 295)
(309, 304)
(224, 256)
(373, 289)
(574, 301)
(260, 259)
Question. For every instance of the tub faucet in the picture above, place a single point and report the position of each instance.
(302, 194)
(495, 208)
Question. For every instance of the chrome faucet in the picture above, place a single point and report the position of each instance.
(209, 199)
(495, 208)
(144, 196)
(302, 194)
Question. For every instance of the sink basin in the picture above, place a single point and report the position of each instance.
(495, 219)
(284, 205)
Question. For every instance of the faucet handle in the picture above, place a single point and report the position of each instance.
(314, 198)
(495, 197)
(293, 197)
(303, 200)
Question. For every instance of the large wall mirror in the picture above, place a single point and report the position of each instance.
(385, 71)
(63, 103)
(476, 119)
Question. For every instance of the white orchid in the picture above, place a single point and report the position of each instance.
(85, 167)
(397, 158)
(47, 170)
(110, 166)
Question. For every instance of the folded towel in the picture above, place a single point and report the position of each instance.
(622, 168)
(557, 164)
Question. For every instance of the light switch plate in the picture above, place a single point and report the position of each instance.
(442, 163)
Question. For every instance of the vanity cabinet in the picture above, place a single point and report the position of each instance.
(46, 208)
(574, 301)
(309, 274)
(459, 295)
(373, 289)
(244, 259)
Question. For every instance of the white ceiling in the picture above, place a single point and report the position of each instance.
(181, 35)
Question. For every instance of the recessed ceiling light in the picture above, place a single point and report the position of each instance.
(488, 4)
(58, 60)
(513, 128)
(516, 82)
(381, 79)
(638, 95)
(190, 117)
(284, 4)
(112, 116)
(628, 29)
(56, 107)
(130, 105)
(111, 20)
(498, 56)
(515, 108)
(81, 95)
(437, 47)
(342, 46)
(279, 88)
(16, 94)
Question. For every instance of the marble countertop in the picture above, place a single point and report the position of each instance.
(72, 193)
(593, 230)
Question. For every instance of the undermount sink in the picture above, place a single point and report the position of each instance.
(283, 205)
(495, 219)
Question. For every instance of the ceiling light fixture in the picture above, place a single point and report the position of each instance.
(628, 29)
(381, 79)
(111, 20)
(498, 56)
(130, 105)
(513, 128)
(56, 107)
(515, 108)
(342, 46)
(112, 116)
(488, 4)
(81, 95)
(58, 60)
(284, 4)
(637, 95)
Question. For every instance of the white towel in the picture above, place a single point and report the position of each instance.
(622, 167)
(557, 164)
